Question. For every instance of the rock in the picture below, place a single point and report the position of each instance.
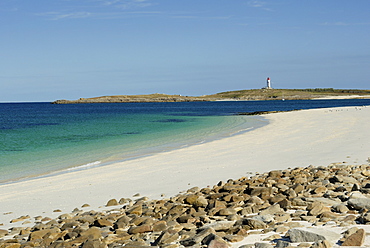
(254, 224)
(40, 234)
(22, 218)
(65, 216)
(340, 208)
(356, 239)
(275, 174)
(366, 173)
(198, 237)
(343, 179)
(311, 235)
(140, 229)
(159, 226)
(112, 202)
(271, 210)
(92, 233)
(282, 244)
(123, 201)
(350, 219)
(282, 217)
(95, 243)
(284, 203)
(201, 202)
(320, 190)
(325, 201)
(10, 245)
(317, 208)
(298, 188)
(46, 219)
(359, 203)
(226, 211)
(322, 244)
(136, 209)
(85, 205)
(221, 225)
(3, 233)
(262, 192)
(218, 242)
(191, 199)
(166, 238)
(234, 238)
(281, 229)
(262, 245)
(356, 195)
(272, 237)
(102, 223)
(264, 218)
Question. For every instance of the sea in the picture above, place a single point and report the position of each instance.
(44, 139)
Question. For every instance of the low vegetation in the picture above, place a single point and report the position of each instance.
(243, 95)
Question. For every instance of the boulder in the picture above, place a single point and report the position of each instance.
(356, 239)
(312, 235)
(359, 203)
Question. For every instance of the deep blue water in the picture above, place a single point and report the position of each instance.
(39, 138)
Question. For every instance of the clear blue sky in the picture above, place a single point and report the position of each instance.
(66, 49)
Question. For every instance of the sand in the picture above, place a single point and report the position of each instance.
(292, 139)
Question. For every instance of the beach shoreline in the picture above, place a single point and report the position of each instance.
(231, 125)
(316, 137)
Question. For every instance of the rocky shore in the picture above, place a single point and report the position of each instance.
(301, 207)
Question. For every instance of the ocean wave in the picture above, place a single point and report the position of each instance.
(84, 166)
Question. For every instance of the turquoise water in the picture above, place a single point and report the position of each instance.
(42, 138)
(43, 141)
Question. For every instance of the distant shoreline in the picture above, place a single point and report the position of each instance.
(243, 95)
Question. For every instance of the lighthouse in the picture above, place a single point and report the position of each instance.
(268, 83)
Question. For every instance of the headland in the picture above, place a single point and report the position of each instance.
(240, 95)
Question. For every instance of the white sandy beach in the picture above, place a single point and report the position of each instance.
(292, 139)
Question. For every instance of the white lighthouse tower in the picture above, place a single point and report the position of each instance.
(268, 83)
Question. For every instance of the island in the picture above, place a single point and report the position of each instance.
(239, 95)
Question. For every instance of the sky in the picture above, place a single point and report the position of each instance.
(67, 49)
